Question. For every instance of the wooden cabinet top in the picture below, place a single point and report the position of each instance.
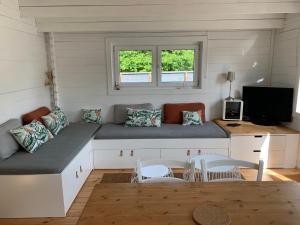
(248, 128)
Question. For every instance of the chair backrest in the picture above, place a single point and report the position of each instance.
(167, 163)
(207, 166)
(164, 180)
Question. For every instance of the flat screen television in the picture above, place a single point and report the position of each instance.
(268, 105)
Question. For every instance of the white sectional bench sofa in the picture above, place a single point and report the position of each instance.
(44, 184)
(116, 146)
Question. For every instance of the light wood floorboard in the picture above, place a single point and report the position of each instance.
(96, 177)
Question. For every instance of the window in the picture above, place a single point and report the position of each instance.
(156, 62)
(178, 66)
(134, 66)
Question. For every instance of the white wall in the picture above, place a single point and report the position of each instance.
(22, 64)
(285, 70)
(82, 77)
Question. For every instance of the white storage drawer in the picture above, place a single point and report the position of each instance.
(185, 154)
(250, 148)
(219, 151)
(177, 154)
(119, 158)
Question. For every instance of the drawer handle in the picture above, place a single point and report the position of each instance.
(131, 153)
(199, 152)
(256, 150)
(121, 153)
(258, 136)
(80, 168)
(77, 176)
(188, 153)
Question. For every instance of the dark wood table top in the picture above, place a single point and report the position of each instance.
(247, 203)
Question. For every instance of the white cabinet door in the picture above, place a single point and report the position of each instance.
(250, 148)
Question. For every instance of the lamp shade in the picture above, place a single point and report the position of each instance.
(230, 76)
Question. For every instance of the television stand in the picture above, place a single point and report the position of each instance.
(266, 123)
(276, 145)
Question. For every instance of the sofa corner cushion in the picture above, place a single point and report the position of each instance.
(120, 110)
(173, 112)
(8, 145)
(35, 115)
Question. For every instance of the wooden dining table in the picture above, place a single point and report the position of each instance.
(246, 203)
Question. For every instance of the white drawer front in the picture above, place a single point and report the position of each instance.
(219, 151)
(250, 148)
(115, 159)
(177, 154)
(147, 154)
(185, 154)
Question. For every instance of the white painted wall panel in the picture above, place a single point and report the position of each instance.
(22, 64)
(82, 76)
(285, 70)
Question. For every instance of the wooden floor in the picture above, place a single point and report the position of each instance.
(96, 176)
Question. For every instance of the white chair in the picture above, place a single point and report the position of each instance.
(210, 175)
(161, 169)
(208, 157)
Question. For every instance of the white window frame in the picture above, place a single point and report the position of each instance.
(148, 41)
(116, 74)
(197, 75)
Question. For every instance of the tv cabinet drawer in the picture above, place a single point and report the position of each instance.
(250, 148)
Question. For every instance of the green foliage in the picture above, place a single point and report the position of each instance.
(177, 60)
(141, 61)
(135, 61)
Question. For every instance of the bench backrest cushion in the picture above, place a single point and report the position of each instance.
(35, 115)
(173, 112)
(8, 145)
(120, 111)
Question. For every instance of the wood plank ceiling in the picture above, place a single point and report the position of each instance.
(157, 15)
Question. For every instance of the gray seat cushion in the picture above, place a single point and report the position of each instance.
(54, 156)
(8, 144)
(116, 131)
(120, 111)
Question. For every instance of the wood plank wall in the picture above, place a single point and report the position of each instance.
(82, 78)
(22, 63)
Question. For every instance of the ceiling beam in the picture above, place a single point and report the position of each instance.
(136, 2)
(99, 19)
(161, 26)
(161, 11)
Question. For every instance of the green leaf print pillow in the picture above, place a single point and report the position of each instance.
(32, 136)
(191, 118)
(92, 116)
(53, 123)
(143, 118)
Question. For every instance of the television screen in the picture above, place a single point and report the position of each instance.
(268, 105)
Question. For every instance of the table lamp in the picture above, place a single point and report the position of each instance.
(230, 78)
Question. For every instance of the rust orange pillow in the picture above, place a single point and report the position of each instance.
(173, 112)
(35, 115)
